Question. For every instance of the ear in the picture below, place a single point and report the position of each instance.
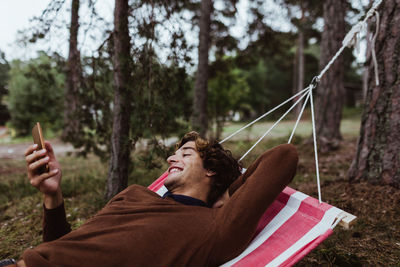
(210, 173)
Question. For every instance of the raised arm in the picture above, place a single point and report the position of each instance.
(54, 223)
(251, 195)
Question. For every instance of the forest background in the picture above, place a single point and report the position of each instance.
(200, 65)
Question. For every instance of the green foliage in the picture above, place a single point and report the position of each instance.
(162, 101)
(4, 69)
(36, 89)
(95, 112)
(161, 107)
(270, 83)
(226, 90)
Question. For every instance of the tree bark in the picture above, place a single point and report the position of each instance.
(330, 92)
(369, 36)
(299, 63)
(74, 79)
(377, 159)
(120, 141)
(200, 118)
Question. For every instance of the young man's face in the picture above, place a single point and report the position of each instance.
(186, 172)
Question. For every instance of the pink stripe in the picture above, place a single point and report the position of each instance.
(279, 203)
(306, 217)
(157, 184)
(306, 249)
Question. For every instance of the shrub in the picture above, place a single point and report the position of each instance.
(36, 90)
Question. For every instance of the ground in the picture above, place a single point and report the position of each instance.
(374, 240)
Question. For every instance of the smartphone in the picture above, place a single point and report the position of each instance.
(38, 139)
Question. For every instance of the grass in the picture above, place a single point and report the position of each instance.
(21, 205)
(12, 138)
(350, 126)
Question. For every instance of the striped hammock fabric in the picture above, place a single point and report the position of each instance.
(289, 229)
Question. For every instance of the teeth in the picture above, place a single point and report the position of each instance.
(174, 170)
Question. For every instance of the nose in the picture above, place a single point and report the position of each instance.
(171, 159)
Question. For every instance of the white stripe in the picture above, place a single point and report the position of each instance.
(316, 231)
(291, 208)
(162, 190)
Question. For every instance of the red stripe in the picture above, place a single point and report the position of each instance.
(306, 217)
(157, 184)
(279, 203)
(306, 249)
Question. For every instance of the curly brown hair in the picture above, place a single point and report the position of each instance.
(216, 159)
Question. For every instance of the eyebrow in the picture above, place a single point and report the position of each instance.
(187, 148)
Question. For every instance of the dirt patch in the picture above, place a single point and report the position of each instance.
(16, 151)
(374, 240)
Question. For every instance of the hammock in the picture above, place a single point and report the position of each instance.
(295, 223)
(288, 230)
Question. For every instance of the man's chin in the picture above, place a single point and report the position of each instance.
(171, 181)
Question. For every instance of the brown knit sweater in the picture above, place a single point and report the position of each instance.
(138, 228)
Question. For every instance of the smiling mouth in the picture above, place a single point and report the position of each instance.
(174, 170)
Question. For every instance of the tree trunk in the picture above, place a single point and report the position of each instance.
(74, 79)
(200, 119)
(377, 159)
(120, 141)
(299, 63)
(300, 75)
(330, 92)
(369, 36)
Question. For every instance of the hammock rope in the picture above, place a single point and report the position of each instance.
(298, 118)
(351, 39)
(315, 147)
(373, 49)
(264, 115)
(276, 123)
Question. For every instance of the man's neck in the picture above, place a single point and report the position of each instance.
(190, 192)
(186, 200)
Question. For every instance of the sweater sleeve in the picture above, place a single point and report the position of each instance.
(55, 223)
(251, 195)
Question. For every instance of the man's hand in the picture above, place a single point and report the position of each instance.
(49, 182)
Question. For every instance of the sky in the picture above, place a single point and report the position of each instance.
(15, 15)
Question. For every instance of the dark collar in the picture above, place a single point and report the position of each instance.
(185, 199)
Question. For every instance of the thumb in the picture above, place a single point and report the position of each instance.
(50, 151)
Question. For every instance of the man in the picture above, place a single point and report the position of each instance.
(139, 228)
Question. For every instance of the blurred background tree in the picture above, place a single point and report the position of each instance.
(36, 93)
(331, 94)
(227, 88)
(4, 69)
(74, 85)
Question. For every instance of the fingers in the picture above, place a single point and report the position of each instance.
(31, 155)
(39, 179)
(30, 149)
(38, 163)
(35, 155)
